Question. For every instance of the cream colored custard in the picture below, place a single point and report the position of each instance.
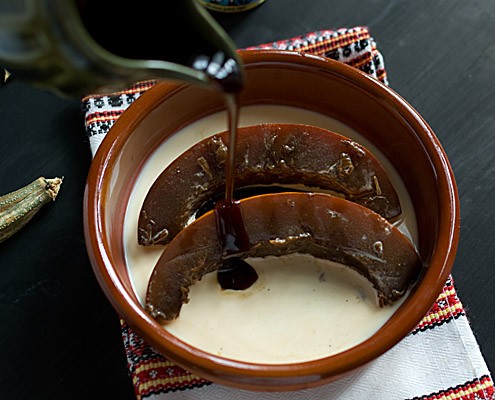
(301, 308)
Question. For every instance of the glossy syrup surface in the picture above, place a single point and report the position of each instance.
(234, 273)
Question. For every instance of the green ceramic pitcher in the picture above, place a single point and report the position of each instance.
(80, 47)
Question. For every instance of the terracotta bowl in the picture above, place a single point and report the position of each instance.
(282, 78)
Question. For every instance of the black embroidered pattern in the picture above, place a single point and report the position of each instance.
(472, 385)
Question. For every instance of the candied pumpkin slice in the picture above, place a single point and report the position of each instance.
(266, 154)
(321, 225)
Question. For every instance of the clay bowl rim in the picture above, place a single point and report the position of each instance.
(217, 368)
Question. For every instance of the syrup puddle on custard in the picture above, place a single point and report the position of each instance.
(279, 319)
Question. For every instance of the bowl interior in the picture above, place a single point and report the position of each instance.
(307, 82)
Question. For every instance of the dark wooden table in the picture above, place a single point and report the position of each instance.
(59, 336)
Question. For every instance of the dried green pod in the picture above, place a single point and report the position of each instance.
(18, 207)
(9, 199)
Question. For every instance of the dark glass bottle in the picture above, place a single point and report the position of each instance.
(78, 47)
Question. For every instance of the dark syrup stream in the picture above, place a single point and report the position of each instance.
(234, 273)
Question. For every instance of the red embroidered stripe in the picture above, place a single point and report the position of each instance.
(360, 61)
(344, 46)
(347, 39)
(311, 43)
(477, 389)
(381, 75)
(163, 376)
(135, 88)
(103, 116)
(151, 372)
(446, 308)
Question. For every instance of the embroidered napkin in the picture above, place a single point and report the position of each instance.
(439, 359)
